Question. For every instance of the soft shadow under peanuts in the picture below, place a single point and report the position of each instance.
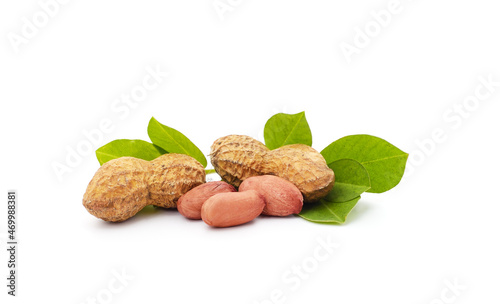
(358, 211)
(146, 213)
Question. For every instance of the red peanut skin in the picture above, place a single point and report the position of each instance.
(190, 203)
(281, 196)
(232, 208)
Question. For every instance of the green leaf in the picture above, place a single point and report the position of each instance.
(286, 129)
(351, 180)
(384, 162)
(326, 211)
(128, 147)
(173, 141)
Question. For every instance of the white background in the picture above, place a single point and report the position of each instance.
(228, 76)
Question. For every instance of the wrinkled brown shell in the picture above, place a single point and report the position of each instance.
(118, 190)
(172, 175)
(304, 167)
(237, 157)
(122, 187)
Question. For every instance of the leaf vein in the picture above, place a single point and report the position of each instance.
(331, 211)
(384, 158)
(173, 139)
(291, 131)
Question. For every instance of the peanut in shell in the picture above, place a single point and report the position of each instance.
(238, 157)
(122, 187)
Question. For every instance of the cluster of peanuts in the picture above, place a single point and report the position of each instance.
(255, 180)
(219, 205)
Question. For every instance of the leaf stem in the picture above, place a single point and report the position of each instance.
(210, 171)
